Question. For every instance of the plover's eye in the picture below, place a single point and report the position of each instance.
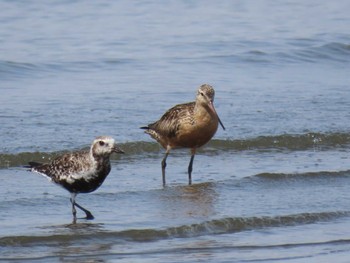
(101, 143)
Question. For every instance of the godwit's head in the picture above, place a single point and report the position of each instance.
(205, 94)
(205, 97)
(104, 146)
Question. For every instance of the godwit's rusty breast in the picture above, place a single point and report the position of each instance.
(188, 125)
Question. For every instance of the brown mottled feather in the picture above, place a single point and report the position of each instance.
(169, 124)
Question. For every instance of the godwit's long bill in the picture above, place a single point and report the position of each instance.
(188, 125)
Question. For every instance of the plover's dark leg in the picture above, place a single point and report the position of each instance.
(193, 151)
(74, 211)
(89, 216)
(164, 164)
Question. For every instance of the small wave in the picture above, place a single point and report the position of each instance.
(238, 224)
(21, 159)
(293, 142)
(11, 68)
(23, 69)
(322, 174)
(212, 227)
(337, 52)
(289, 142)
(330, 52)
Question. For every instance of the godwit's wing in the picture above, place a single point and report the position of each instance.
(170, 122)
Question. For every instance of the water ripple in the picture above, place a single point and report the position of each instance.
(211, 227)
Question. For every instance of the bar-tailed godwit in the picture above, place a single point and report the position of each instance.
(82, 171)
(188, 125)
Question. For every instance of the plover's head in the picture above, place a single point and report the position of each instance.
(104, 146)
(205, 97)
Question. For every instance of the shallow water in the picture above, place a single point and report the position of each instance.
(271, 187)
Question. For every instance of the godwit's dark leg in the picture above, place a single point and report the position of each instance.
(193, 153)
(164, 164)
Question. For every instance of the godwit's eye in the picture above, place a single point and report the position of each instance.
(101, 143)
(202, 93)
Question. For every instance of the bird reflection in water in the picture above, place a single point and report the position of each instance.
(191, 201)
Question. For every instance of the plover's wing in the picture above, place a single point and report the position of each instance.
(68, 165)
(40, 168)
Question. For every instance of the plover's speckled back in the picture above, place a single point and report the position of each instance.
(189, 125)
(82, 171)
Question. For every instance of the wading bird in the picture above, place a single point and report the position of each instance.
(82, 171)
(188, 125)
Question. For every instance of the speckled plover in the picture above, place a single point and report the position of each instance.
(82, 171)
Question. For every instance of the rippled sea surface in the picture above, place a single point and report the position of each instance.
(272, 187)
